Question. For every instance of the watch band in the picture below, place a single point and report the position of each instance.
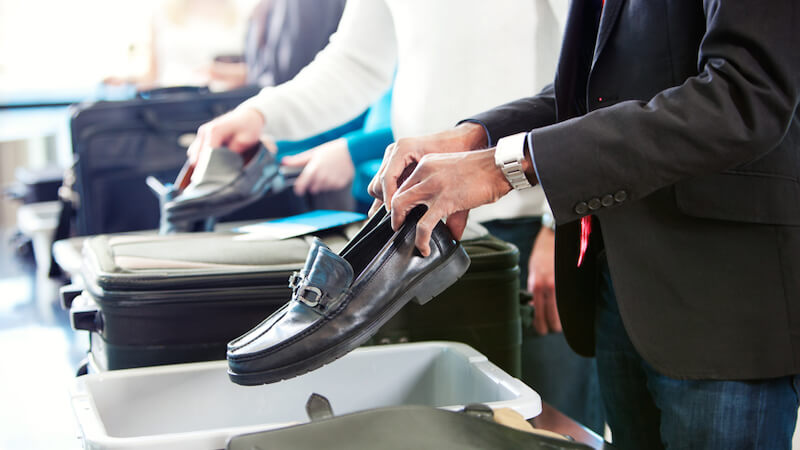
(508, 157)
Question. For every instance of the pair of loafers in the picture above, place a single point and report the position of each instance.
(221, 184)
(341, 300)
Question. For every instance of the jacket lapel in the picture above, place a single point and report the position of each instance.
(608, 19)
(568, 61)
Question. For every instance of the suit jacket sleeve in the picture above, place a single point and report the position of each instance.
(519, 115)
(736, 109)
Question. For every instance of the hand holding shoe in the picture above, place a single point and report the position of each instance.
(450, 185)
(407, 152)
(343, 299)
(238, 130)
(223, 183)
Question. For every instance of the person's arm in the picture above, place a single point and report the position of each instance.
(350, 73)
(331, 166)
(518, 116)
(737, 109)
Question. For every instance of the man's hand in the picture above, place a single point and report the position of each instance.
(541, 282)
(239, 130)
(403, 155)
(326, 167)
(450, 184)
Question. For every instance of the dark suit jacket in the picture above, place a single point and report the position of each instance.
(689, 158)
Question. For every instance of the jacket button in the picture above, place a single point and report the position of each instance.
(581, 208)
(620, 196)
(594, 204)
(607, 200)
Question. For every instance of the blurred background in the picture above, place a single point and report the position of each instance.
(53, 53)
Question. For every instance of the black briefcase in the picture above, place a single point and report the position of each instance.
(117, 144)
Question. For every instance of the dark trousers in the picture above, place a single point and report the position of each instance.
(647, 410)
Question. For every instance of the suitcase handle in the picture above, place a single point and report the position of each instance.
(85, 315)
(170, 91)
(68, 294)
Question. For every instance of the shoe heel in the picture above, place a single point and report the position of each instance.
(442, 277)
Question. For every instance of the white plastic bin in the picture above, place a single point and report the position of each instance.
(195, 406)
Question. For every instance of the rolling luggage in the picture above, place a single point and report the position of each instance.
(149, 300)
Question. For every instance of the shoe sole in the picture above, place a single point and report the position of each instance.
(429, 286)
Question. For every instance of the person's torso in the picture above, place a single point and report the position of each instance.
(460, 57)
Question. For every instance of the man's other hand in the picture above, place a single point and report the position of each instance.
(541, 282)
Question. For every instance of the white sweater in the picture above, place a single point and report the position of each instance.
(454, 58)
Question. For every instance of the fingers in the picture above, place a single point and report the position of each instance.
(390, 180)
(269, 142)
(546, 318)
(193, 152)
(237, 142)
(375, 189)
(376, 206)
(219, 132)
(298, 160)
(405, 201)
(301, 184)
(553, 318)
(424, 230)
(540, 306)
(457, 222)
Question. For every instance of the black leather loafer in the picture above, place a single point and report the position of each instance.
(223, 184)
(342, 301)
(298, 278)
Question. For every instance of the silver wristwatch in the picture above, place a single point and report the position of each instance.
(508, 157)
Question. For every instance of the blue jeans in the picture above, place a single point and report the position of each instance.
(564, 379)
(647, 410)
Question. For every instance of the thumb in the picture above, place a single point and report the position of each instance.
(298, 160)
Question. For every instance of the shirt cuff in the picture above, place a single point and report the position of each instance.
(489, 142)
(529, 142)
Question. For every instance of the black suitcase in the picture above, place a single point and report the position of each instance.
(150, 300)
(145, 305)
(117, 144)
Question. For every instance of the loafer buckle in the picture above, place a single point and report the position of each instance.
(301, 295)
(295, 279)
